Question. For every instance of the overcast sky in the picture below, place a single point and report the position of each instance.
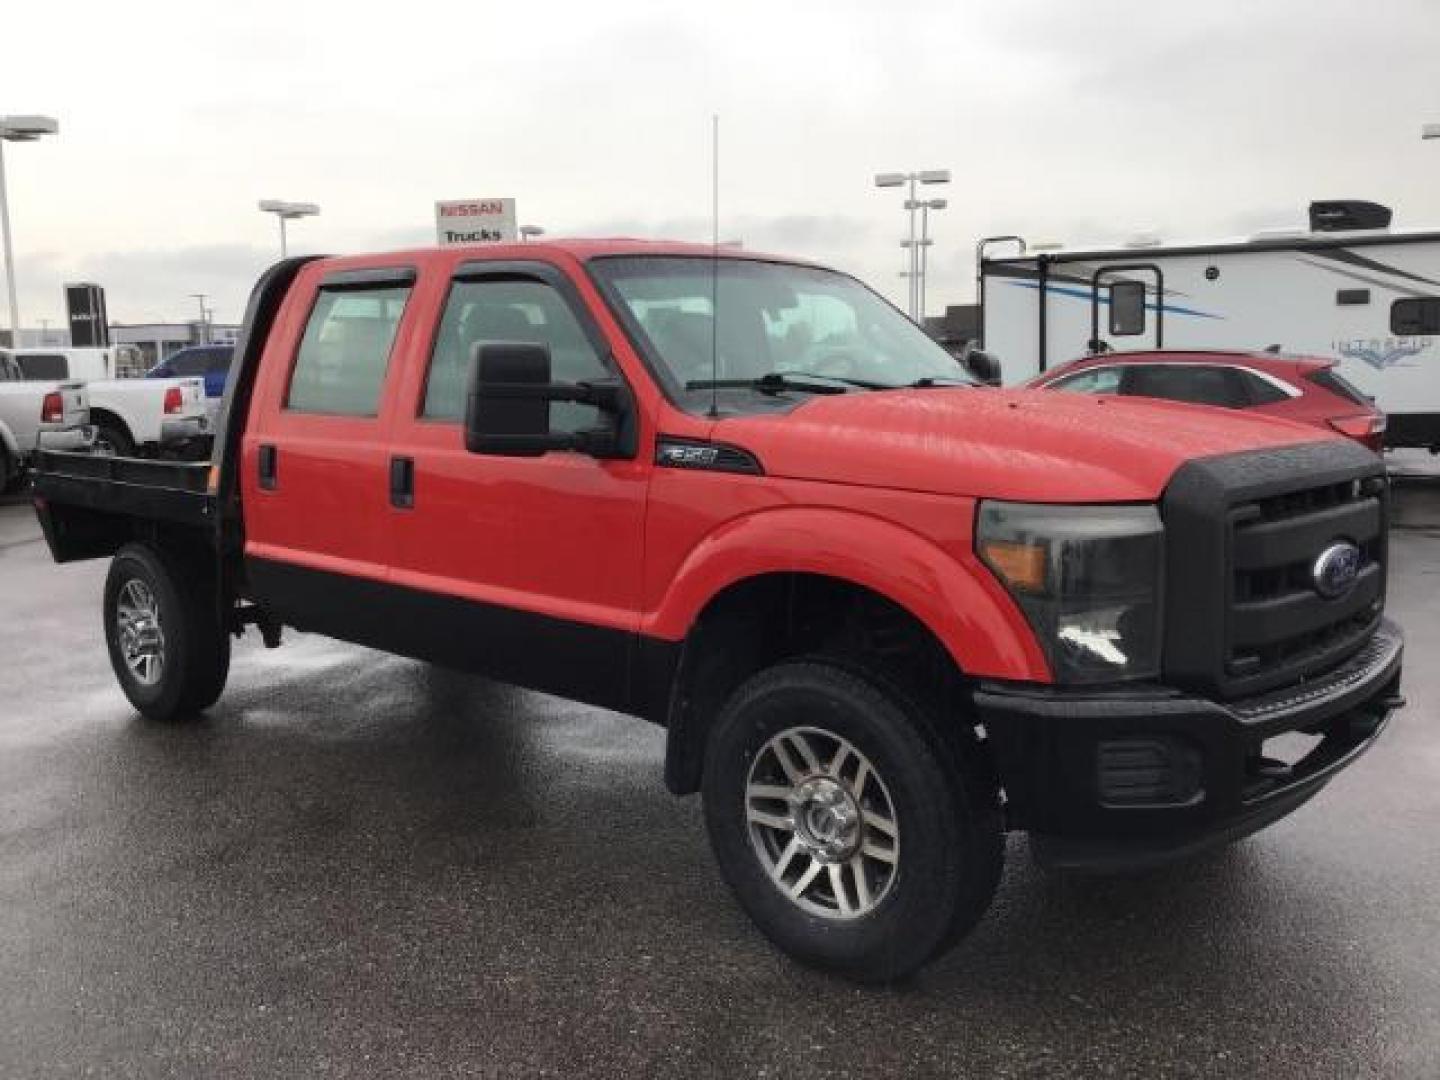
(1066, 120)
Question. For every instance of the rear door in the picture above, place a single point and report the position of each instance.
(1198, 384)
(314, 473)
(1127, 308)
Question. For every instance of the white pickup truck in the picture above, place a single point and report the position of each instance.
(128, 414)
(37, 414)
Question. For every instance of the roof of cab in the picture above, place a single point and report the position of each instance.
(581, 249)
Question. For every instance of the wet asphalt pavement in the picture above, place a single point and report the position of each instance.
(360, 866)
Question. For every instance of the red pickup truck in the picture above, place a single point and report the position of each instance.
(884, 614)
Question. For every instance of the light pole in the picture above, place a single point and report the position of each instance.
(530, 232)
(287, 211)
(916, 272)
(1430, 131)
(16, 129)
(200, 299)
(926, 205)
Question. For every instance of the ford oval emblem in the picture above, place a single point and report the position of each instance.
(1336, 570)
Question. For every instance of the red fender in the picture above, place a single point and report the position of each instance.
(951, 593)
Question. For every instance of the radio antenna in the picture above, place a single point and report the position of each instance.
(714, 265)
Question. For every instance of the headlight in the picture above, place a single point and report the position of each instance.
(1088, 579)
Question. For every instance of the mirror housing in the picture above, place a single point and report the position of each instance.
(983, 366)
(507, 406)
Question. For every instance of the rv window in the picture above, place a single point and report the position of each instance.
(1127, 308)
(1415, 315)
(1351, 297)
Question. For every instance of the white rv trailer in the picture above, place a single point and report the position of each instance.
(1368, 297)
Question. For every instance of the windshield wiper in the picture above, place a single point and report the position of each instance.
(937, 380)
(777, 382)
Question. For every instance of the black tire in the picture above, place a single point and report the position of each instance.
(112, 439)
(194, 647)
(949, 847)
(9, 473)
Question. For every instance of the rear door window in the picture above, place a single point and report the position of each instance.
(345, 352)
(1198, 384)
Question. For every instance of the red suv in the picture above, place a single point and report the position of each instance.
(1301, 388)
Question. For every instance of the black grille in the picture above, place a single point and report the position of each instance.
(1277, 619)
(1255, 524)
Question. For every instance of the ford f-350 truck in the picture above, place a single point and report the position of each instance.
(885, 615)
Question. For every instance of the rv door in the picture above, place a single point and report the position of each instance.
(1127, 308)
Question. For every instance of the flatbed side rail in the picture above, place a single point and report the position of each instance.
(88, 505)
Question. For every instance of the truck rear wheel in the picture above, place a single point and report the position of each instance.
(857, 837)
(167, 647)
(112, 440)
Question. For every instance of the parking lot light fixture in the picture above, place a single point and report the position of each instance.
(916, 247)
(1430, 131)
(287, 211)
(16, 129)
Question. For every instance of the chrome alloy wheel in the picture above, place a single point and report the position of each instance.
(822, 823)
(138, 630)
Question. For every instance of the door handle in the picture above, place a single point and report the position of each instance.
(402, 483)
(269, 459)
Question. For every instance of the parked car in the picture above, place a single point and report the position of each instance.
(32, 414)
(209, 362)
(1307, 389)
(864, 596)
(129, 415)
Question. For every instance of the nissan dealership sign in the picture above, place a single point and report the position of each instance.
(474, 221)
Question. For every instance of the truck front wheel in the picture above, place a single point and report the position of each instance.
(857, 837)
(167, 647)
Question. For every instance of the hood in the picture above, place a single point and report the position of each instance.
(1023, 445)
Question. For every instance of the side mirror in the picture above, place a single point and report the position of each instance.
(983, 366)
(507, 406)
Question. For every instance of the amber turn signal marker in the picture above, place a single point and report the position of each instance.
(1021, 565)
(212, 482)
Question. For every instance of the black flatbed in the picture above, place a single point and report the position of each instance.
(158, 490)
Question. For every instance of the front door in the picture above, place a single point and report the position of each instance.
(524, 568)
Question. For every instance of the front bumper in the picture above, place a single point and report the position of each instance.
(1141, 776)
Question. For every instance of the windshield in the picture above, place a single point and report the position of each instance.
(776, 319)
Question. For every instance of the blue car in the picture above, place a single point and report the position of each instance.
(212, 362)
